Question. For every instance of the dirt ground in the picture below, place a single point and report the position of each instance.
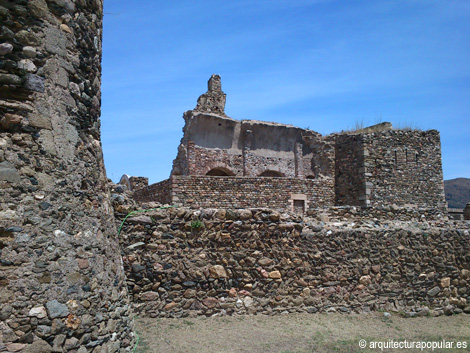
(300, 333)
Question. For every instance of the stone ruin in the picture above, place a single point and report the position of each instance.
(268, 218)
(63, 285)
(228, 163)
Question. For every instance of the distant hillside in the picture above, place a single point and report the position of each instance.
(457, 192)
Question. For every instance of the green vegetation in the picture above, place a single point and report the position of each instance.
(196, 224)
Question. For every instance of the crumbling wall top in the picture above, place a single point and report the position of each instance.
(213, 101)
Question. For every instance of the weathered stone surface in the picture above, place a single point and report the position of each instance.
(27, 38)
(38, 346)
(171, 306)
(265, 261)
(57, 237)
(10, 79)
(248, 302)
(213, 101)
(218, 271)
(15, 347)
(5, 48)
(445, 282)
(10, 121)
(56, 41)
(56, 309)
(9, 173)
(29, 52)
(67, 5)
(34, 83)
(40, 10)
(210, 302)
(136, 245)
(27, 65)
(365, 280)
(149, 296)
(39, 312)
(140, 219)
(433, 291)
(275, 274)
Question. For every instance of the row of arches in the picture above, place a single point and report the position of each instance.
(221, 171)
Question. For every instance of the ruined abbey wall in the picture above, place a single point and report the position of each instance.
(372, 167)
(250, 148)
(62, 285)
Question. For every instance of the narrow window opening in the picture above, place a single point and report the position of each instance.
(299, 206)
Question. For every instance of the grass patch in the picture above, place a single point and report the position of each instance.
(142, 345)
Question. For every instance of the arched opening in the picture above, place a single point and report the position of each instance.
(125, 181)
(310, 176)
(220, 171)
(271, 174)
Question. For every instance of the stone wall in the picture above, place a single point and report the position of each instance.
(183, 262)
(158, 192)
(243, 192)
(391, 167)
(374, 215)
(239, 192)
(349, 173)
(138, 182)
(62, 285)
(404, 167)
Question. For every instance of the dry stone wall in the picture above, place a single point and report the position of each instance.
(62, 285)
(182, 262)
(390, 214)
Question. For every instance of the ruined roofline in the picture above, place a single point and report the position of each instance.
(212, 103)
(377, 128)
(194, 113)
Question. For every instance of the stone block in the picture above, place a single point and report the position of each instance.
(34, 83)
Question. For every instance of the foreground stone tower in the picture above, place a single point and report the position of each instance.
(62, 286)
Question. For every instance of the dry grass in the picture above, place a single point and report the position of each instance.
(299, 333)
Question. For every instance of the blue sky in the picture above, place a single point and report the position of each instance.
(321, 64)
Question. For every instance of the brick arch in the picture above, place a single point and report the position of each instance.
(272, 174)
(220, 171)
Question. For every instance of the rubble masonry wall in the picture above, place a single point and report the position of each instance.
(182, 262)
(62, 285)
